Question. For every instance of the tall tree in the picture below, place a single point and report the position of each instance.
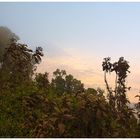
(18, 64)
(119, 103)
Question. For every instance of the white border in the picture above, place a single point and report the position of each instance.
(70, 1)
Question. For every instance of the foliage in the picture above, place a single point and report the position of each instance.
(117, 97)
(18, 64)
(66, 84)
(34, 106)
(137, 106)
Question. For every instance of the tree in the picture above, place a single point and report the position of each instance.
(42, 80)
(66, 84)
(73, 86)
(117, 98)
(5, 39)
(91, 91)
(18, 64)
(58, 82)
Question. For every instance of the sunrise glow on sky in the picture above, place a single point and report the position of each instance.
(77, 36)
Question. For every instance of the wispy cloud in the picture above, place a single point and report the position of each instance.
(89, 72)
(78, 65)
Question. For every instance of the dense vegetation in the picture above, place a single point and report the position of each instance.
(31, 105)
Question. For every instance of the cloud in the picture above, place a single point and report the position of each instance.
(78, 66)
(85, 68)
(54, 50)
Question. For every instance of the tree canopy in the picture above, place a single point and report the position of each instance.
(34, 106)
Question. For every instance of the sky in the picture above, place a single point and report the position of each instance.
(77, 36)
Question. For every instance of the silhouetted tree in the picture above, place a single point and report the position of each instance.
(117, 97)
(66, 84)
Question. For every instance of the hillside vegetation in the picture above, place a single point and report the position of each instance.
(33, 106)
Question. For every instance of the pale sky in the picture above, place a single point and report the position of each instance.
(77, 36)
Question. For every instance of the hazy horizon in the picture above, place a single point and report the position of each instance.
(77, 36)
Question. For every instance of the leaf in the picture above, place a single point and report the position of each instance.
(67, 116)
(57, 109)
(46, 100)
(53, 119)
(61, 128)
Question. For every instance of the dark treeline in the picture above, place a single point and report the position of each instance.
(31, 105)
